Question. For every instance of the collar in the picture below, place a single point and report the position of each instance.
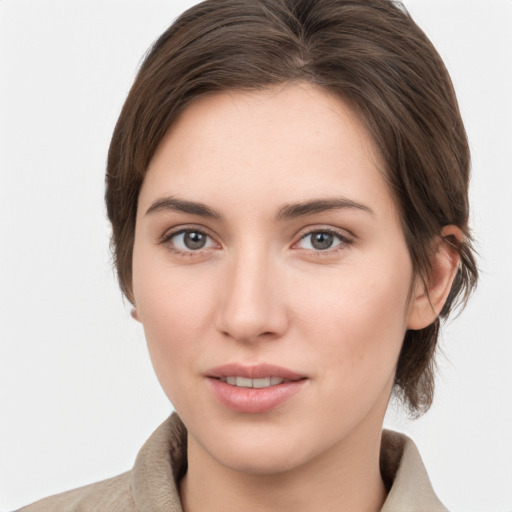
(162, 461)
(403, 471)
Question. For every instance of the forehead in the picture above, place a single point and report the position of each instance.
(297, 139)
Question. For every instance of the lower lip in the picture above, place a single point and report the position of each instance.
(254, 400)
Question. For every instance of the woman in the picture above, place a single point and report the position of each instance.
(288, 197)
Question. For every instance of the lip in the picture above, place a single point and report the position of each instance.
(255, 371)
(254, 400)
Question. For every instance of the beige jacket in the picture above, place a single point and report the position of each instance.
(151, 485)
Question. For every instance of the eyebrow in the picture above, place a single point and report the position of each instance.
(288, 211)
(294, 210)
(182, 206)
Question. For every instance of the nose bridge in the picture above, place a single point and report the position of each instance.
(251, 304)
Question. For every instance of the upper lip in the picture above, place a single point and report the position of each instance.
(253, 371)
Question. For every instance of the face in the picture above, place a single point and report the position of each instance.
(272, 277)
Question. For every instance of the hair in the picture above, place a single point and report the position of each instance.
(369, 53)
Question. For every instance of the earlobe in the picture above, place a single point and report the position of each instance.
(134, 314)
(430, 296)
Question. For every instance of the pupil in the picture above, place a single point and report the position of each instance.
(322, 241)
(194, 240)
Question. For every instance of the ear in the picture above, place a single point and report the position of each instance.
(428, 298)
(134, 314)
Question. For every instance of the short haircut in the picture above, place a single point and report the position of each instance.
(371, 54)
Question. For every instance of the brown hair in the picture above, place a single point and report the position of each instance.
(370, 53)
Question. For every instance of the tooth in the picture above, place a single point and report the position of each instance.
(261, 383)
(243, 382)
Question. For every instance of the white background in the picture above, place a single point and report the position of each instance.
(77, 392)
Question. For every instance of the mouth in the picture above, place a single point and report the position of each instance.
(254, 389)
(245, 382)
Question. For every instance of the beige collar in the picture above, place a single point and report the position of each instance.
(161, 462)
(403, 469)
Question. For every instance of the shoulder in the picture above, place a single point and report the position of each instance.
(114, 495)
(152, 483)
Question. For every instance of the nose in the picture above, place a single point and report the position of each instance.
(252, 304)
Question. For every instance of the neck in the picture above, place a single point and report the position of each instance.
(346, 478)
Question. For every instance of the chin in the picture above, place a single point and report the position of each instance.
(256, 459)
(259, 447)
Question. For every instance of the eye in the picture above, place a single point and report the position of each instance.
(322, 240)
(190, 240)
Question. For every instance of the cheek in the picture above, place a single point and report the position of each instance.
(167, 296)
(359, 319)
(175, 310)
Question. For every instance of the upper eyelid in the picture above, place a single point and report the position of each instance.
(346, 240)
(343, 234)
(165, 240)
(176, 230)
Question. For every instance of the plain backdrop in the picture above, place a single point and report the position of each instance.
(77, 392)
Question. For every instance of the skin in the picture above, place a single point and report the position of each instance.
(260, 291)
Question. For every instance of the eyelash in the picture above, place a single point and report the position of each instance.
(344, 241)
(167, 240)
